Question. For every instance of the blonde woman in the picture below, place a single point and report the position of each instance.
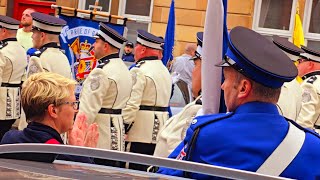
(50, 106)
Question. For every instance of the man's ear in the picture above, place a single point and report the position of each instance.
(106, 46)
(143, 50)
(43, 35)
(245, 87)
(310, 65)
(52, 111)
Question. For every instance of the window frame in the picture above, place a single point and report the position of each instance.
(139, 19)
(306, 23)
(143, 19)
(82, 5)
(269, 31)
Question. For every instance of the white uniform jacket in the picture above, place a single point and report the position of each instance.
(104, 94)
(309, 116)
(146, 110)
(51, 59)
(13, 63)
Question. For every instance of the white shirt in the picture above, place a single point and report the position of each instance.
(183, 66)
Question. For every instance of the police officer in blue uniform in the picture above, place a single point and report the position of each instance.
(252, 136)
(128, 52)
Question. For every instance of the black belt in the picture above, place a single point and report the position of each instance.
(10, 85)
(110, 111)
(153, 108)
(316, 127)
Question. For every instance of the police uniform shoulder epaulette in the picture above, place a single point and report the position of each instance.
(39, 52)
(3, 44)
(302, 128)
(207, 119)
(139, 64)
(102, 64)
(312, 79)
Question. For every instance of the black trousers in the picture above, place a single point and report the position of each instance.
(142, 148)
(5, 126)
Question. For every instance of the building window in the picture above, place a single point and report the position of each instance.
(274, 16)
(140, 10)
(311, 22)
(104, 5)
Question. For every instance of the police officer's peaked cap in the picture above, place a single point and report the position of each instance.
(292, 51)
(198, 53)
(149, 40)
(9, 23)
(111, 36)
(129, 44)
(46, 23)
(258, 58)
(310, 54)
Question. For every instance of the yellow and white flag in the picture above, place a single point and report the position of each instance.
(298, 36)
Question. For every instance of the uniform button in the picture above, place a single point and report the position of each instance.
(194, 121)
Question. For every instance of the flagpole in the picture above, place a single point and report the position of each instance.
(212, 54)
(103, 14)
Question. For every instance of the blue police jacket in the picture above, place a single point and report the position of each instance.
(128, 57)
(244, 139)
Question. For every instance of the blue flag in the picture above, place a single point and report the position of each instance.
(169, 38)
(223, 107)
(225, 28)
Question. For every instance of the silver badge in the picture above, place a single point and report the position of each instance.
(95, 83)
(306, 96)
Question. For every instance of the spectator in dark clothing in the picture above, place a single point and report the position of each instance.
(50, 105)
(128, 55)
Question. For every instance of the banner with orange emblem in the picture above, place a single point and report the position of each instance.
(77, 40)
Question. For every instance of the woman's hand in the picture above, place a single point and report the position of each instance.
(82, 134)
